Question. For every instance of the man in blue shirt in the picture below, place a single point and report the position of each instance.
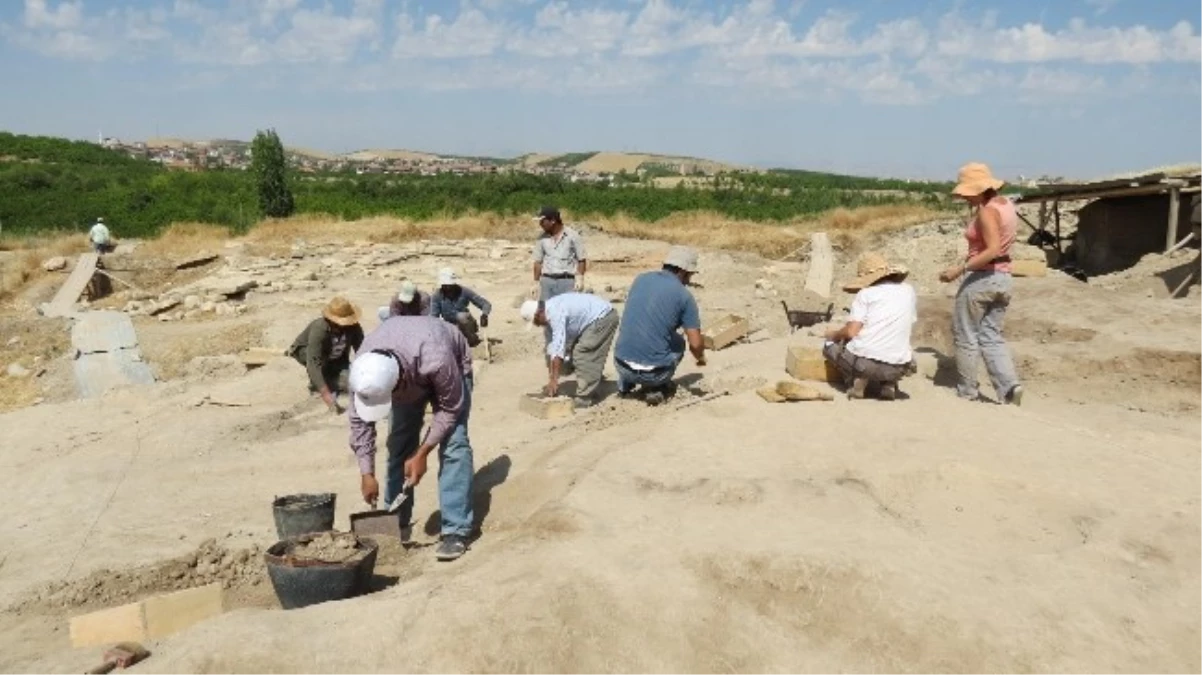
(649, 347)
(450, 303)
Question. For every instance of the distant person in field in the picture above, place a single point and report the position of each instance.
(100, 237)
(324, 348)
(984, 294)
(409, 301)
(649, 348)
(872, 350)
(560, 260)
(450, 303)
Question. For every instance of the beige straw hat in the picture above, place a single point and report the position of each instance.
(975, 178)
(871, 268)
(341, 311)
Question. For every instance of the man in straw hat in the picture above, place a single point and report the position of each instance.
(324, 349)
(450, 303)
(872, 350)
(407, 363)
(582, 325)
(649, 347)
(409, 301)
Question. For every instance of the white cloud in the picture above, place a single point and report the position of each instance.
(471, 34)
(41, 14)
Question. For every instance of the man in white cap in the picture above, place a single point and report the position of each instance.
(409, 301)
(450, 303)
(581, 324)
(405, 364)
(649, 347)
(99, 236)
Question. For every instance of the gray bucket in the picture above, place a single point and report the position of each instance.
(303, 514)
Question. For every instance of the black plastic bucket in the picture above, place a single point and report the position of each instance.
(302, 514)
(300, 583)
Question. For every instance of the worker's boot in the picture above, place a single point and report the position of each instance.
(858, 385)
(888, 391)
(451, 547)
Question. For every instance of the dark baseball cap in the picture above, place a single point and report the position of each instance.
(548, 212)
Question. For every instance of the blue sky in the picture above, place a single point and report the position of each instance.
(888, 87)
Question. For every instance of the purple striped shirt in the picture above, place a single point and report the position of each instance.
(434, 359)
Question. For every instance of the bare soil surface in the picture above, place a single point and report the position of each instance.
(925, 534)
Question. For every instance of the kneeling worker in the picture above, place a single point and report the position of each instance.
(409, 301)
(872, 351)
(649, 348)
(324, 349)
(450, 303)
(407, 363)
(582, 324)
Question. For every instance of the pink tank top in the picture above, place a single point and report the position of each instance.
(1009, 229)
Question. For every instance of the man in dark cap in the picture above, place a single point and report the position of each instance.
(559, 258)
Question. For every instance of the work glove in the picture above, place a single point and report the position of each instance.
(484, 321)
(534, 291)
(580, 284)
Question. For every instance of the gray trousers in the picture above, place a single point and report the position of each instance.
(549, 288)
(591, 351)
(977, 321)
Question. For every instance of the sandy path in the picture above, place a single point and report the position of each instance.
(731, 535)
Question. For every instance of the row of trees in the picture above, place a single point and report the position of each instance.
(139, 198)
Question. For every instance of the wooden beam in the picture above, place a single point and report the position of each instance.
(1170, 237)
(1140, 191)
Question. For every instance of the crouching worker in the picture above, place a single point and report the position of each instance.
(409, 301)
(450, 303)
(324, 348)
(872, 351)
(581, 324)
(407, 363)
(649, 348)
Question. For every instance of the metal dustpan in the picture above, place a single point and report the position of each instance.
(380, 522)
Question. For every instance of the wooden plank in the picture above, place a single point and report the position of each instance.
(173, 612)
(64, 301)
(1140, 191)
(1170, 237)
(821, 274)
(115, 624)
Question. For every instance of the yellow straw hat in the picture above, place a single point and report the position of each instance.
(341, 311)
(975, 178)
(871, 268)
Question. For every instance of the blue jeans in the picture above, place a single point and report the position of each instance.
(454, 468)
(650, 379)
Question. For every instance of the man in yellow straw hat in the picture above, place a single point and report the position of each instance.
(324, 348)
(872, 350)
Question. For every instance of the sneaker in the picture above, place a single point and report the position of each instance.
(582, 403)
(1015, 397)
(857, 388)
(452, 547)
(654, 397)
(888, 392)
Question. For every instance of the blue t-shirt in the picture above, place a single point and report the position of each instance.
(657, 305)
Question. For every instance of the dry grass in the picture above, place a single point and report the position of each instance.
(23, 258)
(37, 338)
(387, 230)
(848, 227)
(183, 239)
(170, 356)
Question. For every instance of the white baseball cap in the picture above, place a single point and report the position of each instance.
(373, 377)
(528, 310)
(447, 277)
(408, 291)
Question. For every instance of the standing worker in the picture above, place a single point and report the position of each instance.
(649, 348)
(407, 363)
(324, 349)
(450, 303)
(581, 324)
(100, 237)
(559, 258)
(984, 295)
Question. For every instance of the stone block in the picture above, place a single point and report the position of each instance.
(546, 407)
(1029, 268)
(116, 624)
(725, 331)
(173, 612)
(807, 363)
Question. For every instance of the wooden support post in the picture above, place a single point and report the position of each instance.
(1043, 215)
(1056, 213)
(1170, 237)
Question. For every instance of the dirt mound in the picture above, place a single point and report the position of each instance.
(209, 563)
(327, 547)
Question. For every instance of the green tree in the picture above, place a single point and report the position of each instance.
(270, 170)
